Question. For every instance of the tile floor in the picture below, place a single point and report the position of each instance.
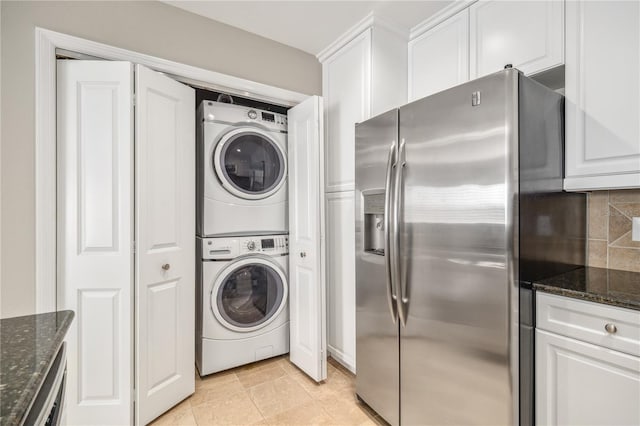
(272, 392)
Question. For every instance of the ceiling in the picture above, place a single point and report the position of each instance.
(309, 25)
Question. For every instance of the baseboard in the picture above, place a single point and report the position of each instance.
(346, 361)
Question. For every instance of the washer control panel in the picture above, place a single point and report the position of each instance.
(223, 248)
(231, 113)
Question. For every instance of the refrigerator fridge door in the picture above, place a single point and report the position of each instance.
(459, 354)
(377, 354)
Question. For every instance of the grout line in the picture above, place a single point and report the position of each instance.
(607, 228)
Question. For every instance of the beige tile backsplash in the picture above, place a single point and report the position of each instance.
(610, 215)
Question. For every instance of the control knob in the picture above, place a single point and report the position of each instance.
(252, 114)
(251, 245)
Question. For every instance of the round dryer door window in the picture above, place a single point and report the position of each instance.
(249, 294)
(250, 163)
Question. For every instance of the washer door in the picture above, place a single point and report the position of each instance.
(249, 294)
(250, 163)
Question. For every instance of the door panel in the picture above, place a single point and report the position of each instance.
(573, 379)
(346, 87)
(456, 345)
(341, 281)
(307, 304)
(377, 354)
(527, 34)
(439, 58)
(603, 120)
(165, 255)
(95, 236)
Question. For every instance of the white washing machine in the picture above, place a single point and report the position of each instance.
(242, 307)
(242, 171)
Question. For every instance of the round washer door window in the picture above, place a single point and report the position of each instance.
(249, 163)
(249, 294)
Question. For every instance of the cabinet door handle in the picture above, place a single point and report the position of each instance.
(611, 328)
(166, 267)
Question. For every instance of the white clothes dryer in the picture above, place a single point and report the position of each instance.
(242, 171)
(242, 307)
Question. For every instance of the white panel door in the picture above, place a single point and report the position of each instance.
(341, 278)
(602, 105)
(307, 306)
(527, 34)
(583, 384)
(439, 58)
(165, 243)
(346, 88)
(95, 237)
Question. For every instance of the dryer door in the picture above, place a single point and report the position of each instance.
(249, 294)
(250, 163)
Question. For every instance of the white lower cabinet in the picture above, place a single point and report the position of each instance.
(341, 279)
(591, 374)
(580, 383)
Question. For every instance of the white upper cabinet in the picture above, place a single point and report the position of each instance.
(439, 57)
(346, 82)
(364, 74)
(527, 34)
(602, 87)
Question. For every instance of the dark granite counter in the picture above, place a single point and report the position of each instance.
(608, 286)
(29, 345)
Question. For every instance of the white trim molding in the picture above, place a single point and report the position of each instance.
(439, 17)
(47, 42)
(367, 22)
(601, 182)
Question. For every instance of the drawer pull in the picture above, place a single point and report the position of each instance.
(611, 328)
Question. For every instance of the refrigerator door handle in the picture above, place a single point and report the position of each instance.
(388, 253)
(401, 285)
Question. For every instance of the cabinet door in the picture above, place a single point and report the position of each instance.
(346, 90)
(439, 58)
(165, 253)
(602, 88)
(341, 277)
(527, 34)
(579, 383)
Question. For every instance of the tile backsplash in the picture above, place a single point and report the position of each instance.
(610, 215)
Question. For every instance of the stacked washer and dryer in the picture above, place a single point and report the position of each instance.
(242, 236)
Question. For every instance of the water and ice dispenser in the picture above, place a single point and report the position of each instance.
(373, 204)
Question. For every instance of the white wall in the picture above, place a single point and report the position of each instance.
(146, 26)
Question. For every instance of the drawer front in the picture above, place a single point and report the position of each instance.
(611, 327)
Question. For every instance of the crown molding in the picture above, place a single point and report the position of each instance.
(439, 17)
(369, 21)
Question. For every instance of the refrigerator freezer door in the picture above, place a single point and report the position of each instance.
(459, 346)
(377, 346)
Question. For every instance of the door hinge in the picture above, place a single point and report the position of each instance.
(133, 246)
(133, 100)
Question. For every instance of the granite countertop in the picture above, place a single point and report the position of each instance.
(29, 345)
(608, 286)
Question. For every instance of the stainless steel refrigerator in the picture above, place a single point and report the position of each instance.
(459, 205)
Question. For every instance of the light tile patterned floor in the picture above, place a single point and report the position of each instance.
(272, 392)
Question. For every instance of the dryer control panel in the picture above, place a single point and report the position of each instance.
(225, 248)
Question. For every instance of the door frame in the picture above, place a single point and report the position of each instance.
(46, 43)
